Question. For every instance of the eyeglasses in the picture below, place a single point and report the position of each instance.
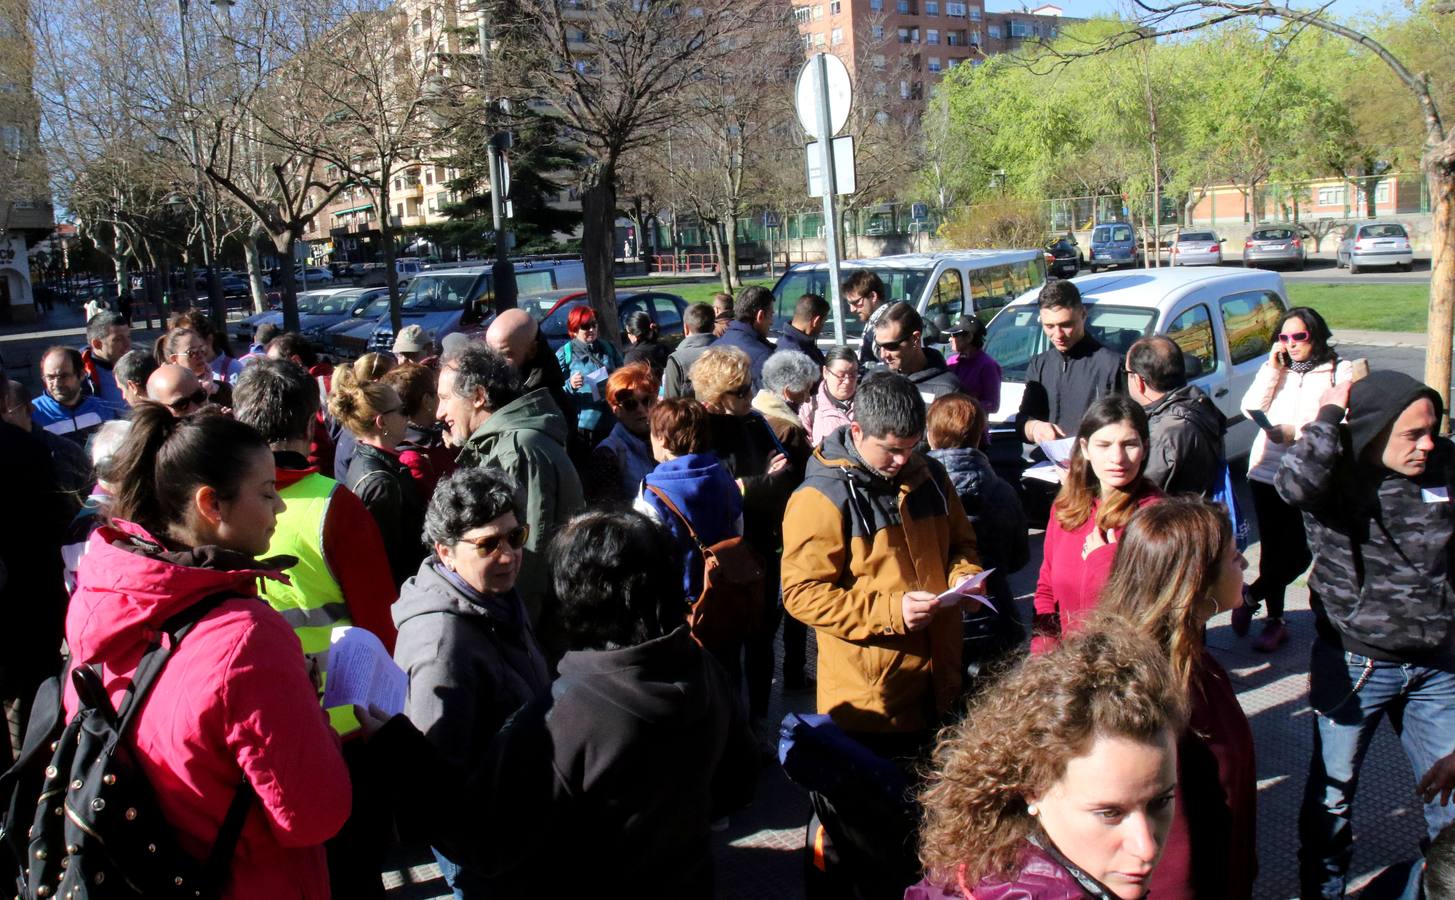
(892, 346)
(587, 326)
(741, 393)
(58, 376)
(848, 374)
(196, 398)
(629, 402)
(1296, 337)
(854, 302)
(489, 545)
(194, 353)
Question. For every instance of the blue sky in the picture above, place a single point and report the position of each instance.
(1088, 8)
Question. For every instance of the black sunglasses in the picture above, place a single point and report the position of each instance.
(741, 393)
(196, 398)
(489, 545)
(629, 401)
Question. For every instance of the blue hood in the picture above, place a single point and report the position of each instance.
(702, 488)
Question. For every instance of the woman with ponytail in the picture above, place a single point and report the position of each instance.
(373, 413)
(1176, 567)
(366, 369)
(194, 505)
(1102, 488)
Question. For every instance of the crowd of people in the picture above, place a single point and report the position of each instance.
(582, 561)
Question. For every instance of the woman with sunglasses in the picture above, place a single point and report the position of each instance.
(623, 459)
(583, 356)
(831, 407)
(1300, 367)
(374, 415)
(464, 637)
(190, 350)
(765, 473)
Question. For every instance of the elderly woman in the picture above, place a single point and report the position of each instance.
(766, 474)
(623, 459)
(789, 379)
(585, 360)
(464, 637)
(374, 415)
(832, 406)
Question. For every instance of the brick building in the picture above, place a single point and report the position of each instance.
(26, 215)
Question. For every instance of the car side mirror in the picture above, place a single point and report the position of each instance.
(1192, 366)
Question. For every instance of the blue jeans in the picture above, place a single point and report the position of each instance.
(466, 884)
(1350, 693)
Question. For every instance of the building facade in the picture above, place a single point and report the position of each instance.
(26, 215)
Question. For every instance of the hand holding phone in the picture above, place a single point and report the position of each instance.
(1260, 418)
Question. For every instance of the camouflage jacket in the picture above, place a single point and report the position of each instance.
(1380, 542)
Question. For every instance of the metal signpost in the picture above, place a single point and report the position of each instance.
(823, 98)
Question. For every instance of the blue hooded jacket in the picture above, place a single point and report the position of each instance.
(703, 489)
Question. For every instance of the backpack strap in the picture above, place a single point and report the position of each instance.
(158, 652)
(691, 532)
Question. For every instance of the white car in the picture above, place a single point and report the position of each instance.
(1375, 244)
(1225, 320)
(1197, 248)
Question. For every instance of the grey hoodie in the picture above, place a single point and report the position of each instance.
(472, 660)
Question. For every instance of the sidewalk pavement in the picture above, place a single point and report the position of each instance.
(1416, 340)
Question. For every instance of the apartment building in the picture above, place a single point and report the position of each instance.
(929, 37)
(26, 216)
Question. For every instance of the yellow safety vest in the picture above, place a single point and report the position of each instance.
(314, 603)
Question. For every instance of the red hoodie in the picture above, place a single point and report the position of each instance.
(234, 700)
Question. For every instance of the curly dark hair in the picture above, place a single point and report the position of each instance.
(465, 499)
(1019, 736)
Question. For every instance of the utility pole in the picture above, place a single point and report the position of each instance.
(503, 272)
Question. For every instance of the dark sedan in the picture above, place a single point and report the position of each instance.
(1063, 258)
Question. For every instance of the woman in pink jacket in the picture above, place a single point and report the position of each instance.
(1102, 489)
(194, 505)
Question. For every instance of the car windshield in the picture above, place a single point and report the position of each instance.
(1273, 234)
(309, 302)
(1190, 237)
(439, 291)
(899, 284)
(1382, 231)
(1015, 336)
(335, 304)
(539, 307)
(1112, 233)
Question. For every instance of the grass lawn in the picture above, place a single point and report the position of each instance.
(699, 291)
(1371, 307)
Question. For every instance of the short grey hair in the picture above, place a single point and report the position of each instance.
(134, 367)
(107, 441)
(790, 370)
(889, 404)
(467, 498)
(100, 324)
(477, 366)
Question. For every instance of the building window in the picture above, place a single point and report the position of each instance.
(876, 5)
(954, 9)
(904, 35)
(932, 36)
(818, 12)
(837, 37)
(878, 32)
(807, 41)
(877, 60)
(975, 37)
(934, 64)
(801, 13)
(429, 175)
(904, 90)
(932, 7)
(1019, 29)
(995, 32)
(818, 39)
(1381, 192)
(902, 6)
(1331, 196)
(12, 139)
(951, 63)
(835, 8)
(975, 14)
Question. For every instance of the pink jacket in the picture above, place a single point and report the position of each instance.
(234, 700)
(1069, 586)
(822, 415)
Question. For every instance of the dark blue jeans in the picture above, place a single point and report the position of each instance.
(465, 884)
(1350, 694)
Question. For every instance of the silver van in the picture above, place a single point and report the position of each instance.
(1224, 319)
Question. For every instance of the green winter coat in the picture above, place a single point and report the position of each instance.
(526, 439)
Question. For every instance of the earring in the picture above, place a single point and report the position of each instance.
(1214, 603)
(1033, 809)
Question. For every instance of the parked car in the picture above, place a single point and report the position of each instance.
(1113, 244)
(349, 339)
(1197, 248)
(1225, 320)
(942, 286)
(1063, 257)
(241, 333)
(1375, 244)
(448, 300)
(343, 305)
(1271, 245)
(665, 309)
(313, 275)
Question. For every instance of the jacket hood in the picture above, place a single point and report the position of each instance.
(129, 584)
(435, 589)
(836, 458)
(773, 406)
(1378, 399)
(693, 476)
(661, 680)
(1190, 404)
(535, 411)
(696, 340)
(968, 468)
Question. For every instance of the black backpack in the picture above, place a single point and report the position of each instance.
(86, 825)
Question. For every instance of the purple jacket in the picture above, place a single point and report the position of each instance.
(980, 377)
(1040, 878)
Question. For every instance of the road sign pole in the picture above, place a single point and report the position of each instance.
(830, 183)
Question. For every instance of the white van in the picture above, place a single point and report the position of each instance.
(942, 286)
(1223, 318)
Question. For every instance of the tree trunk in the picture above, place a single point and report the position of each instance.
(1440, 175)
(288, 290)
(598, 252)
(118, 264)
(730, 232)
(255, 269)
(714, 243)
(1371, 184)
(386, 245)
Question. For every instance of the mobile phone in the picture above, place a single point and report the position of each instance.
(1260, 418)
(1284, 358)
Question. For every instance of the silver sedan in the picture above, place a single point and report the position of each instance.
(1274, 245)
(1197, 248)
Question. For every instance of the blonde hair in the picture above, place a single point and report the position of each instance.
(372, 366)
(1019, 736)
(358, 405)
(719, 370)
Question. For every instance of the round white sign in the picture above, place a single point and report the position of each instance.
(808, 95)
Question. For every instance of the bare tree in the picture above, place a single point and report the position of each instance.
(615, 71)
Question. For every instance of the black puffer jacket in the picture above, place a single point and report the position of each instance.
(387, 489)
(994, 509)
(1381, 541)
(1061, 386)
(1186, 455)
